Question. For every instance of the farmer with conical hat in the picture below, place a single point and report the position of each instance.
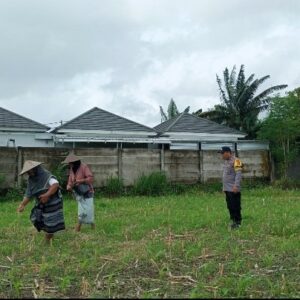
(47, 214)
(80, 182)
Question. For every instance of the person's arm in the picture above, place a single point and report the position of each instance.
(51, 191)
(238, 175)
(70, 183)
(22, 205)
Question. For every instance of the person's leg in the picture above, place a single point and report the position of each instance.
(80, 212)
(237, 208)
(49, 237)
(229, 202)
(78, 227)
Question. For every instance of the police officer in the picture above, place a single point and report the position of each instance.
(232, 175)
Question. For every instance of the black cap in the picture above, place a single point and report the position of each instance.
(225, 149)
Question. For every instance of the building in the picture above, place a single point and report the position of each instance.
(18, 131)
(100, 128)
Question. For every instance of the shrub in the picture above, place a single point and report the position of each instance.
(61, 174)
(154, 184)
(114, 186)
(251, 183)
(179, 188)
(211, 186)
(287, 183)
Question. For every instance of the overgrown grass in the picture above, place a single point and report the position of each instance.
(114, 187)
(154, 184)
(169, 246)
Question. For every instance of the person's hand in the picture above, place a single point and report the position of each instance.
(44, 198)
(235, 189)
(79, 181)
(69, 188)
(21, 208)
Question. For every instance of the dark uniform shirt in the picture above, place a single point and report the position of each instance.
(232, 174)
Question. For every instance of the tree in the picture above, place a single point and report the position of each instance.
(282, 129)
(172, 111)
(240, 105)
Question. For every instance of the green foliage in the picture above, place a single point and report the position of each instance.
(211, 187)
(282, 129)
(240, 105)
(60, 171)
(154, 184)
(14, 194)
(114, 186)
(172, 111)
(287, 184)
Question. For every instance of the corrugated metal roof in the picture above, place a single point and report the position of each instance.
(184, 146)
(109, 139)
(216, 145)
(99, 119)
(186, 122)
(253, 145)
(11, 120)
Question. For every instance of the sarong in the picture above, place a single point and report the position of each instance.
(51, 218)
(85, 209)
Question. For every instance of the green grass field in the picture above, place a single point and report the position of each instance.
(147, 247)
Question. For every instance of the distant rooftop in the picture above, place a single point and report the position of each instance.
(186, 122)
(99, 119)
(11, 120)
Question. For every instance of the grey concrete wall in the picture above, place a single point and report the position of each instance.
(8, 167)
(256, 165)
(183, 166)
(137, 162)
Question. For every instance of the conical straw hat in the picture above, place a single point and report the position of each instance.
(71, 158)
(28, 165)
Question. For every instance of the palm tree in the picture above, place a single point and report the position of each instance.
(240, 105)
(172, 111)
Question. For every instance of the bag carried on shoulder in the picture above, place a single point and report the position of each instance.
(81, 189)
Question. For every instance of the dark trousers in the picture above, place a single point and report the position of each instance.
(233, 201)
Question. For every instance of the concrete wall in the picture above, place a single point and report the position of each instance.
(8, 166)
(256, 164)
(183, 166)
(26, 139)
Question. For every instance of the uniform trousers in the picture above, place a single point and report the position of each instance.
(233, 201)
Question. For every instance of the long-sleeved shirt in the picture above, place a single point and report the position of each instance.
(232, 174)
(83, 172)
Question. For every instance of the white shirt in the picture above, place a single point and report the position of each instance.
(52, 181)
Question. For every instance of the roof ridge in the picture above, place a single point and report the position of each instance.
(23, 117)
(124, 118)
(108, 112)
(58, 127)
(177, 118)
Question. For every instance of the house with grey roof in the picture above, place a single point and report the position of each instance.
(97, 127)
(19, 131)
(187, 131)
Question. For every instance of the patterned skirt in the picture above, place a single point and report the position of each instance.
(48, 217)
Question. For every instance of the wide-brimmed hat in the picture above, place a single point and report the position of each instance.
(71, 158)
(28, 165)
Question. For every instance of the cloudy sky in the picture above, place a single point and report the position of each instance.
(59, 58)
